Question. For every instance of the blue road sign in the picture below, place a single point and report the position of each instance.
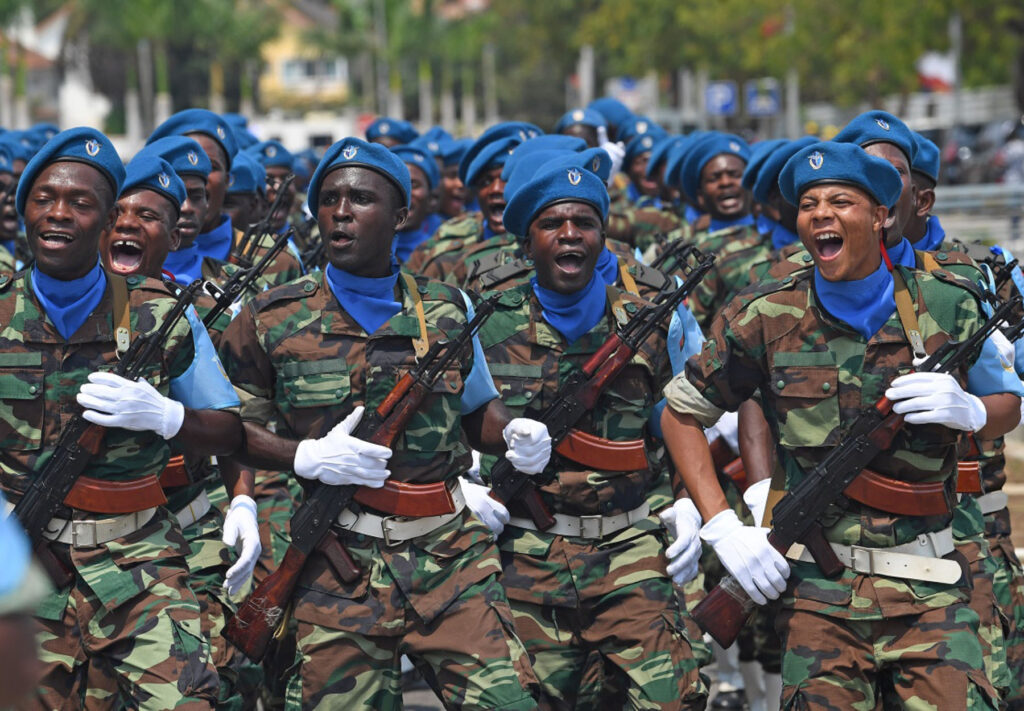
(721, 98)
(762, 97)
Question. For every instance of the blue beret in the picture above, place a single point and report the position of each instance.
(660, 153)
(247, 175)
(847, 163)
(271, 154)
(236, 120)
(494, 153)
(587, 117)
(639, 126)
(244, 139)
(759, 153)
(6, 158)
(879, 127)
(46, 130)
(81, 144)
(550, 185)
(401, 131)
(514, 129)
(20, 150)
(434, 141)
(355, 152)
(768, 176)
(525, 167)
(926, 160)
(703, 151)
(614, 111)
(455, 150)
(199, 121)
(594, 160)
(184, 154)
(151, 172)
(422, 159)
(547, 142)
(638, 146)
(677, 155)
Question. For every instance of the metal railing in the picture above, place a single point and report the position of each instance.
(992, 213)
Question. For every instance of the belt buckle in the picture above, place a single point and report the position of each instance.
(862, 560)
(386, 533)
(79, 539)
(585, 527)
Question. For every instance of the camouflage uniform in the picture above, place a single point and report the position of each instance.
(127, 628)
(452, 235)
(640, 227)
(295, 353)
(815, 376)
(283, 268)
(578, 601)
(456, 265)
(6, 261)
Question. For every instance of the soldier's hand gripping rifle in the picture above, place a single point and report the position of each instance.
(231, 291)
(245, 251)
(581, 390)
(80, 441)
(795, 518)
(258, 617)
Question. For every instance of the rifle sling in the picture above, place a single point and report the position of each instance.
(907, 314)
(121, 314)
(420, 344)
(628, 282)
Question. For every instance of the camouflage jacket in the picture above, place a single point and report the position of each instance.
(529, 360)
(293, 353)
(456, 266)
(452, 235)
(6, 261)
(640, 226)
(41, 373)
(736, 250)
(815, 375)
(283, 268)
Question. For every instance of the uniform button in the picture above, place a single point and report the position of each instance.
(132, 280)
(422, 290)
(826, 386)
(941, 256)
(807, 258)
(339, 393)
(309, 287)
(631, 307)
(787, 280)
(528, 395)
(780, 384)
(33, 388)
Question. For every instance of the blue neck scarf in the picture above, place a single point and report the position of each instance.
(903, 254)
(765, 224)
(9, 246)
(369, 300)
(68, 303)
(607, 267)
(407, 241)
(217, 242)
(865, 304)
(575, 314)
(934, 236)
(632, 192)
(488, 232)
(186, 264)
(722, 224)
(691, 214)
(782, 237)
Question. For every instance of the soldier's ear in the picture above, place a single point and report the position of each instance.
(883, 219)
(925, 201)
(174, 239)
(401, 215)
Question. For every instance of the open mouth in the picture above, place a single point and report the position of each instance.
(730, 202)
(570, 262)
(126, 256)
(341, 240)
(55, 240)
(496, 211)
(828, 245)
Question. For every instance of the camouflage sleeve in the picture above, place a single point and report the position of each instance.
(726, 372)
(249, 367)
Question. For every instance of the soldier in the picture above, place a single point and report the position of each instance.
(593, 588)
(455, 197)
(277, 161)
(126, 628)
(585, 124)
(924, 229)
(147, 212)
(315, 352)
(426, 179)
(11, 233)
(245, 199)
(821, 345)
(390, 132)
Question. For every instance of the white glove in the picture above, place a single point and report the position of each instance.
(728, 428)
(240, 527)
(113, 401)
(1004, 348)
(747, 555)
(473, 473)
(529, 445)
(338, 458)
(683, 523)
(756, 499)
(488, 509)
(617, 152)
(938, 399)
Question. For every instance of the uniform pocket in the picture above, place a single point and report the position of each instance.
(519, 385)
(317, 383)
(21, 401)
(807, 405)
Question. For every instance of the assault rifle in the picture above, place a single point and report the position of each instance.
(245, 251)
(80, 441)
(580, 393)
(259, 616)
(795, 518)
(679, 250)
(312, 255)
(241, 280)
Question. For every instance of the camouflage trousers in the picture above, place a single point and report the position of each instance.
(930, 660)
(208, 561)
(436, 599)
(1008, 588)
(126, 633)
(991, 628)
(601, 613)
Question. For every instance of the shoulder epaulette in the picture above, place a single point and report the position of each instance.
(5, 282)
(511, 298)
(434, 290)
(649, 277)
(957, 280)
(301, 288)
(980, 253)
(505, 272)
